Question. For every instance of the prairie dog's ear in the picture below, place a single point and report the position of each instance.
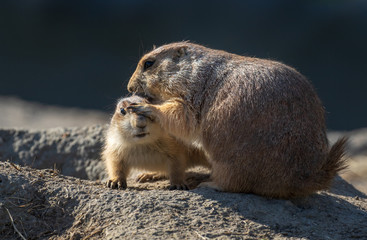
(154, 46)
(181, 51)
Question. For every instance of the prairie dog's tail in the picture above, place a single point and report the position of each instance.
(334, 163)
(322, 179)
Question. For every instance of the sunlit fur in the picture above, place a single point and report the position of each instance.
(260, 122)
(126, 148)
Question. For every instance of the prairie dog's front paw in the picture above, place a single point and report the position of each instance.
(117, 184)
(142, 109)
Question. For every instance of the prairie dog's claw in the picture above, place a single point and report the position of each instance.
(181, 186)
(116, 184)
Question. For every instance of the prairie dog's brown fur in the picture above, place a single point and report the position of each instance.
(260, 122)
(136, 142)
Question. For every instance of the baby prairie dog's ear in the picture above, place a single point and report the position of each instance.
(125, 103)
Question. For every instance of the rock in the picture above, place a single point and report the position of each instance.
(73, 151)
(45, 204)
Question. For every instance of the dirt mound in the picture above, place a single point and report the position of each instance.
(46, 205)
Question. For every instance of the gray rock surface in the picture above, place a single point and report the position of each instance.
(46, 205)
(72, 151)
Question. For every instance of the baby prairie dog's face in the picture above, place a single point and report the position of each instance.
(131, 127)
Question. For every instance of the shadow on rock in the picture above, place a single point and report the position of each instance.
(335, 214)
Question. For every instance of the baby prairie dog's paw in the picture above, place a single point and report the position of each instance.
(117, 184)
(178, 186)
(142, 109)
(150, 177)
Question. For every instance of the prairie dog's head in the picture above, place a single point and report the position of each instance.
(165, 72)
(131, 127)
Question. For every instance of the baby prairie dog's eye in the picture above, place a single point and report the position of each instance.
(148, 64)
(122, 111)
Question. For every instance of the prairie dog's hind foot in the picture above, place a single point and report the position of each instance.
(150, 177)
(211, 185)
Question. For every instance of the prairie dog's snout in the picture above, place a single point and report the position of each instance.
(139, 125)
(139, 121)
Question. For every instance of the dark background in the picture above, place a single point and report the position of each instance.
(82, 53)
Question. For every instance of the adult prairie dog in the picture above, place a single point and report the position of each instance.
(136, 142)
(260, 122)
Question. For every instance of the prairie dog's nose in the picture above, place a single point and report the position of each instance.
(130, 88)
(132, 85)
(141, 121)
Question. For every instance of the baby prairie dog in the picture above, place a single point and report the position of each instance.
(135, 141)
(259, 122)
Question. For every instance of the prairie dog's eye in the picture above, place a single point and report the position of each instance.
(148, 64)
(122, 111)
